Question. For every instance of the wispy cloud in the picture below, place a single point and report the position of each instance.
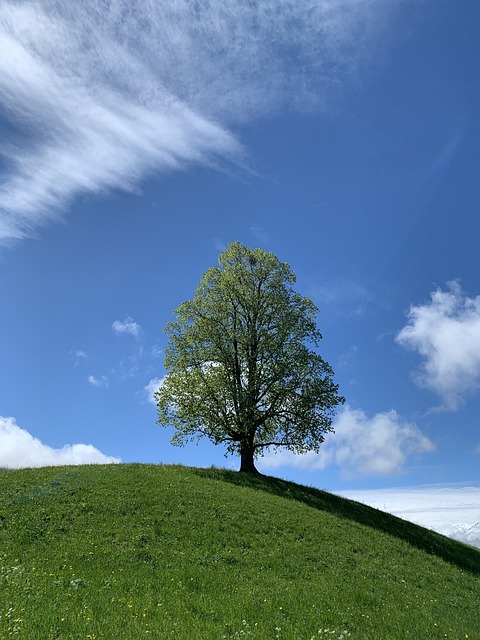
(97, 96)
(18, 449)
(98, 381)
(219, 244)
(130, 365)
(78, 356)
(342, 296)
(157, 351)
(445, 331)
(150, 388)
(453, 510)
(260, 235)
(128, 326)
(361, 446)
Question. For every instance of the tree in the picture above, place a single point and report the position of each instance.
(239, 367)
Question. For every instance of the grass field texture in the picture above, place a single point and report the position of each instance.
(138, 551)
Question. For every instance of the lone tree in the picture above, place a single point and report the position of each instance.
(239, 367)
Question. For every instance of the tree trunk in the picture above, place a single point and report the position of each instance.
(247, 464)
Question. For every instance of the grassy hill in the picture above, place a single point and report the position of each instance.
(134, 551)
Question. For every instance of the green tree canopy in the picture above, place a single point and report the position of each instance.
(241, 363)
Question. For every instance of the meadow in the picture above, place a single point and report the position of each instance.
(141, 551)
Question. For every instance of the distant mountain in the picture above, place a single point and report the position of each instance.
(464, 533)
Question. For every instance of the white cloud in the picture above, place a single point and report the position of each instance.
(156, 351)
(379, 445)
(348, 359)
(446, 332)
(451, 510)
(126, 326)
(105, 94)
(311, 461)
(19, 449)
(79, 356)
(360, 446)
(101, 381)
(151, 387)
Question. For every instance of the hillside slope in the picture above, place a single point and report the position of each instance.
(136, 551)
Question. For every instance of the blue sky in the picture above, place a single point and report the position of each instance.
(138, 140)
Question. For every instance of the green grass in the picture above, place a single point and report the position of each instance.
(136, 551)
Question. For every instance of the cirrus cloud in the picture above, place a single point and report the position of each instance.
(98, 96)
(19, 449)
(98, 381)
(126, 326)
